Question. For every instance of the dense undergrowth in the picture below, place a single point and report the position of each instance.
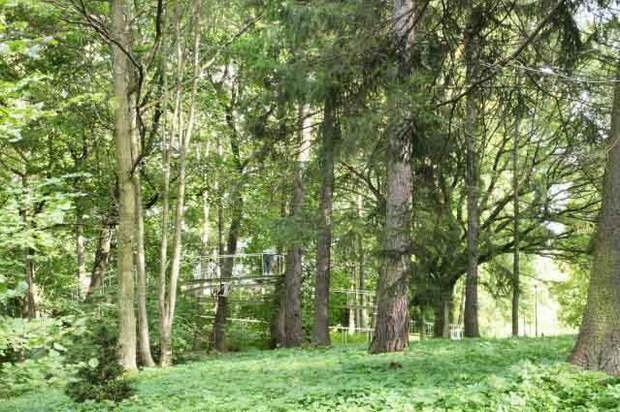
(434, 375)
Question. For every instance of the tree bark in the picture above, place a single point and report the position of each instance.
(362, 298)
(80, 255)
(288, 319)
(329, 135)
(144, 345)
(472, 176)
(218, 335)
(443, 310)
(515, 190)
(121, 67)
(392, 321)
(184, 132)
(102, 256)
(598, 343)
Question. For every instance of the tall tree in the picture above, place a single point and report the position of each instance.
(598, 343)
(516, 211)
(330, 133)
(293, 333)
(184, 132)
(392, 319)
(472, 174)
(123, 112)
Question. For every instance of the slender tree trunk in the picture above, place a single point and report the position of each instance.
(164, 334)
(598, 343)
(329, 134)
(361, 282)
(121, 67)
(392, 320)
(144, 345)
(352, 300)
(515, 257)
(443, 310)
(199, 337)
(218, 335)
(472, 177)
(102, 256)
(184, 132)
(30, 305)
(80, 255)
(31, 293)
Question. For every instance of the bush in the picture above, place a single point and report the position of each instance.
(32, 353)
(100, 376)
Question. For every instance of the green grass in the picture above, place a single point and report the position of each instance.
(434, 375)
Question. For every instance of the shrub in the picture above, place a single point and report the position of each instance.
(32, 353)
(100, 376)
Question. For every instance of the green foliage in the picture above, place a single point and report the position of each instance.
(573, 293)
(100, 376)
(32, 353)
(434, 375)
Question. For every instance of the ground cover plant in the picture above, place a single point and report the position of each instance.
(241, 192)
(436, 375)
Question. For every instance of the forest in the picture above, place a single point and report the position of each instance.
(326, 205)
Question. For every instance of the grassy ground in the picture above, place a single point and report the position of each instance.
(434, 375)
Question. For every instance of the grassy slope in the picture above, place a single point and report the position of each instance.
(473, 375)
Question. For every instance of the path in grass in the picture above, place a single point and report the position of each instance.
(471, 375)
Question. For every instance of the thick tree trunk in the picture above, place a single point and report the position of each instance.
(392, 321)
(472, 177)
(598, 344)
(121, 67)
(288, 322)
(329, 135)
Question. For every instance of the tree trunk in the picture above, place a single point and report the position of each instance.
(598, 343)
(392, 321)
(352, 300)
(184, 132)
(329, 134)
(289, 314)
(31, 293)
(102, 256)
(515, 257)
(121, 67)
(472, 177)
(443, 310)
(199, 337)
(363, 298)
(144, 345)
(164, 334)
(218, 335)
(80, 255)
(362, 319)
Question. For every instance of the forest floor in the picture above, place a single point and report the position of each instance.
(523, 374)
